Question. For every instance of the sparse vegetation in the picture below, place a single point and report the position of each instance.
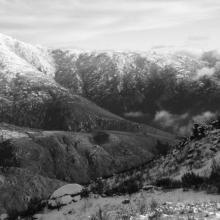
(191, 180)
(34, 205)
(100, 137)
(7, 156)
(168, 183)
(100, 215)
(162, 148)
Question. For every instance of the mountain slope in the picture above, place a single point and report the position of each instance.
(36, 162)
(18, 57)
(198, 155)
(166, 90)
(29, 95)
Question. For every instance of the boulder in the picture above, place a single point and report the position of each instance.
(65, 195)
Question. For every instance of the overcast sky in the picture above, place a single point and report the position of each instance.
(113, 24)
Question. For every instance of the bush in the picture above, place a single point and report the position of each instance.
(191, 180)
(214, 178)
(100, 137)
(35, 205)
(7, 155)
(85, 193)
(168, 183)
(162, 148)
(128, 186)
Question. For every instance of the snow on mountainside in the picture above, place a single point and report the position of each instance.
(19, 57)
(23, 58)
(185, 62)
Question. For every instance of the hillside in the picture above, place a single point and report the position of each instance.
(19, 57)
(35, 162)
(192, 163)
(164, 89)
(183, 184)
(199, 155)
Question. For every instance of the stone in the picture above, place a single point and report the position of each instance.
(65, 195)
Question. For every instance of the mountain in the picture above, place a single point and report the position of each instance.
(164, 89)
(167, 89)
(51, 135)
(30, 96)
(17, 57)
(54, 129)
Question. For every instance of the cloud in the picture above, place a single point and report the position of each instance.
(198, 38)
(205, 71)
(179, 124)
(134, 114)
(78, 21)
(204, 117)
(182, 124)
(166, 119)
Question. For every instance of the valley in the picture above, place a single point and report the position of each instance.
(117, 125)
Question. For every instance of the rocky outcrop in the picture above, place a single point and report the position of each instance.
(195, 154)
(65, 195)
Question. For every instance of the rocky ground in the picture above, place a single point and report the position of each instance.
(144, 205)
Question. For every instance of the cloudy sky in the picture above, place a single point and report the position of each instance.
(113, 24)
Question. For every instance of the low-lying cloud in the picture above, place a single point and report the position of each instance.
(204, 117)
(206, 71)
(134, 114)
(181, 124)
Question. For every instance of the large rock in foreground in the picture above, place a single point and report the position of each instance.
(65, 195)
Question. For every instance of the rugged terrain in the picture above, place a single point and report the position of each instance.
(35, 162)
(166, 89)
(192, 166)
(144, 205)
(54, 128)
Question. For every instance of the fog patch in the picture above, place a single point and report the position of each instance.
(181, 124)
(204, 117)
(205, 71)
(134, 114)
(166, 119)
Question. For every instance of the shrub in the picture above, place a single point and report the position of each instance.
(85, 193)
(35, 205)
(7, 155)
(214, 178)
(191, 180)
(162, 148)
(168, 183)
(128, 186)
(100, 137)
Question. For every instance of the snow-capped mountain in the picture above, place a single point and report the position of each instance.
(17, 57)
(184, 62)
(141, 85)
